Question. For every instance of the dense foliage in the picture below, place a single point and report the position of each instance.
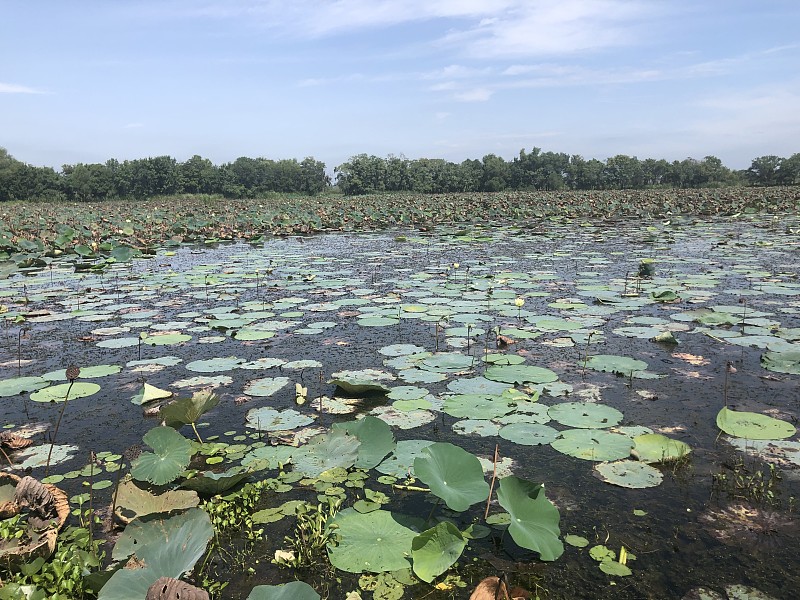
(364, 174)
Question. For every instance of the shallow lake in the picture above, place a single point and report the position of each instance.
(561, 296)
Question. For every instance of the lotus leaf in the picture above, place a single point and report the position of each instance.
(576, 540)
(37, 456)
(168, 547)
(448, 362)
(520, 374)
(376, 440)
(654, 448)
(629, 474)
(294, 590)
(481, 427)
(268, 457)
(615, 364)
(374, 542)
(753, 426)
(209, 483)
(18, 385)
(360, 383)
(58, 393)
(215, 365)
(743, 592)
(782, 362)
(266, 386)
(477, 385)
(436, 550)
(326, 451)
(407, 392)
(586, 415)
(477, 406)
(453, 474)
(534, 519)
(150, 393)
(377, 321)
(405, 419)
(133, 501)
(189, 410)
(612, 567)
(592, 444)
(528, 434)
(269, 419)
(170, 456)
(400, 463)
(400, 350)
(166, 339)
(92, 372)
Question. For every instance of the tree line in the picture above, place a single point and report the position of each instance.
(363, 174)
(537, 170)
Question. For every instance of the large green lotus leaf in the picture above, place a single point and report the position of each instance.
(189, 410)
(452, 474)
(477, 385)
(115, 343)
(150, 393)
(209, 483)
(215, 365)
(58, 393)
(377, 321)
(629, 474)
(654, 448)
(326, 451)
(373, 542)
(781, 362)
(481, 427)
(592, 444)
(266, 386)
(534, 519)
(436, 550)
(403, 419)
(269, 419)
(520, 374)
(477, 406)
(170, 457)
(375, 436)
(268, 457)
(588, 415)
(168, 547)
(528, 434)
(615, 364)
(38, 456)
(753, 426)
(448, 362)
(18, 385)
(400, 463)
(294, 590)
(133, 501)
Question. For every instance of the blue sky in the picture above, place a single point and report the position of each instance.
(85, 81)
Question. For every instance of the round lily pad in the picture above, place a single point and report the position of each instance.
(528, 434)
(753, 426)
(587, 415)
(615, 364)
(593, 444)
(520, 374)
(629, 474)
(266, 386)
(58, 393)
(654, 448)
(269, 419)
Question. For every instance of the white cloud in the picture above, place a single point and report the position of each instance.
(480, 94)
(13, 88)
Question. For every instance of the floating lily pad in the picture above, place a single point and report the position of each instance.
(294, 590)
(587, 415)
(36, 456)
(407, 392)
(448, 362)
(654, 448)
(214, 365)
(400, 350)
(400, 463)
(477, 406)
(782, 362)
(376, 440)
(533, 518)
(629, 474)
(753, 426)
(266, 386)
(358, 383)
(520, 374)
(481, 427)
(58, 393)
(615, 364)
(133, 501)
(19, 385)
(208, 483)
(270, 419)
(374, 542)
(477, 385)
(593, 444)
(528, 434)
(326, 451)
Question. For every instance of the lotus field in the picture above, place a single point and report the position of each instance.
(587, 395)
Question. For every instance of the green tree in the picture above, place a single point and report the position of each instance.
(764, 170)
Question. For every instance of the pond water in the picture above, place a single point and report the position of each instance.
(551, 294)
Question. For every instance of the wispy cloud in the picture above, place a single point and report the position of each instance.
(479, 94)
(13, 88)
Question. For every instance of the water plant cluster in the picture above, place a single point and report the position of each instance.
(405, 414)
